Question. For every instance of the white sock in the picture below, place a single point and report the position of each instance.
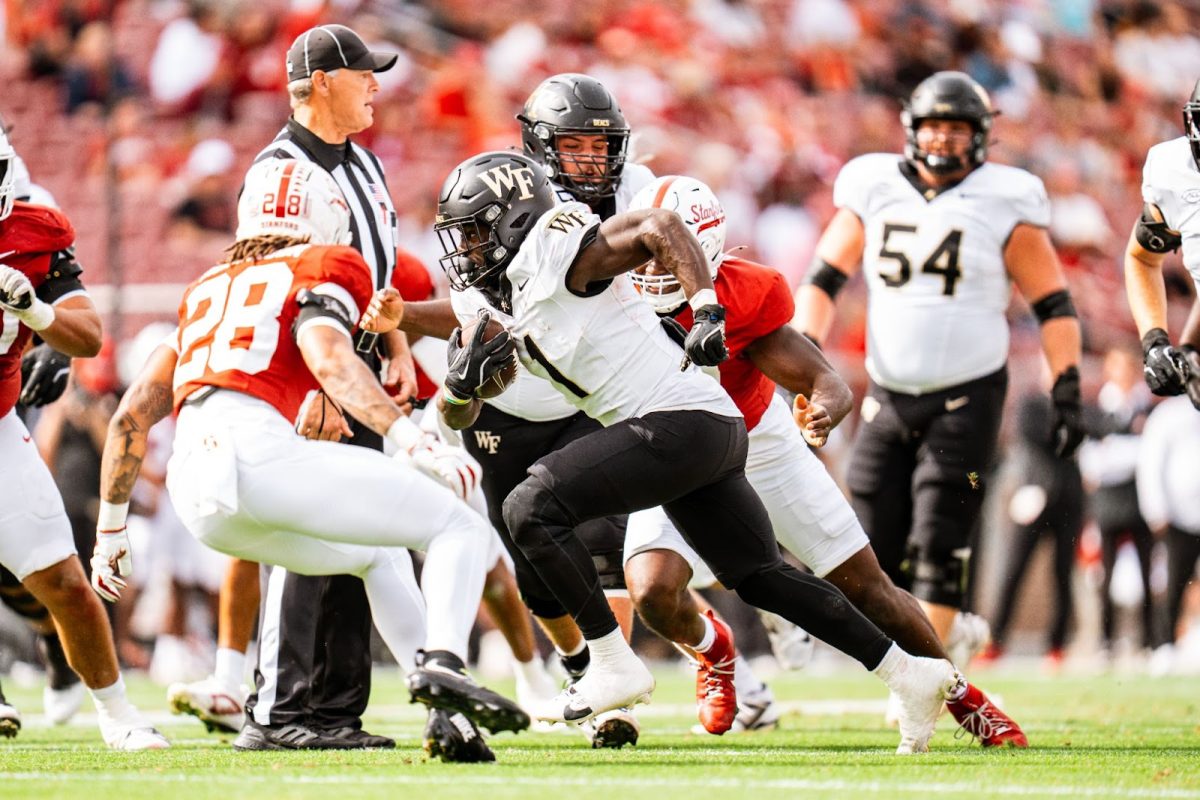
(111, 700)
(574, 651)
(710, 635)
(610, 647)
(231, 668)
(892, 661)
(744, 679)
(530, 672)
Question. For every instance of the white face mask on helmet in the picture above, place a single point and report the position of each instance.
(286, 197)
(703, 215)
(8, 175)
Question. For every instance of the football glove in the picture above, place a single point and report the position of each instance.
(17, 298)
(1192, 356)
(1068, 430)
(450, 466)
(1165, 368)
(44, 373)
(705, 343)
(111, 558)
(475, 363)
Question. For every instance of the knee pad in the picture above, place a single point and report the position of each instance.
(532, 514)
(940, 578)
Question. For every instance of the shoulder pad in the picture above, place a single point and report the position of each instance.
(36, 229)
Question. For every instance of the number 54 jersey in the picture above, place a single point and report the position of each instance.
(239, 322)
(934, 268)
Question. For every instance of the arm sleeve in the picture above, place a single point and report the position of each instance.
(63, 280)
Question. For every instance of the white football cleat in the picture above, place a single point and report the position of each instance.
(210, 701)
(59, 705)
(922, 686)
(10, 719)
(792, 645)
(131, 733)
(969, 634)
(603, 688)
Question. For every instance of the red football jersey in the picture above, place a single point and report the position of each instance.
(412, 281)
(757, 302)
(236, 322)
(28, 239)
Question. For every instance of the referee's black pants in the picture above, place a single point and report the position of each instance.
(314, 646)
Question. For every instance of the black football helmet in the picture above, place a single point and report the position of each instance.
(948, 95)
(487, 206)
(1191, 122)
(571, 104)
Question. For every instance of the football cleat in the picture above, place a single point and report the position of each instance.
(360, 738)
(981, 719)
(969, 635)
(450, 736)
(791, 645)
(922, 686)
(757, 711)
(210, 701)
(716, 698)
(10, 719)
(603, 688)
(130, 733)
(612, 729)
(59, 705)
(293, 736)
(441, 681)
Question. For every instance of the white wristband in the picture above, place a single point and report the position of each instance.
(112, 516)
(38, 316)
(405, 434)
(704, 297)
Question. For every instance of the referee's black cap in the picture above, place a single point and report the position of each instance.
(330, 47)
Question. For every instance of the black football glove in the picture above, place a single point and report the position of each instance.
(44, 373)
(1192, 357)
(1068, 430)
(475, 363)
(1165, 368)
(705, 343)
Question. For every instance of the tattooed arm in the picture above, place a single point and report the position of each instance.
(146, 402)
(330, 357)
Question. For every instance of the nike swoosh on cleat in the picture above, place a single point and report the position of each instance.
(955, 403)
(570, 713)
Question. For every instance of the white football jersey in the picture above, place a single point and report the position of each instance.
(528, 396)
(1171, 181)
(606, 353)
(934, 267)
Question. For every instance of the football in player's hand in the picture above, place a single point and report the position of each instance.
(500, 379)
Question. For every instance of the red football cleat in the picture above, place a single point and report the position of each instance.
(977, 716)
(716, 699)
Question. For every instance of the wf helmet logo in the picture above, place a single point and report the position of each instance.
(505, 176)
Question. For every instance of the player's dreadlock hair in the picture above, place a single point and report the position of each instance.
(257, 247)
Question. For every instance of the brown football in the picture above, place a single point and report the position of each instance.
(502, 379)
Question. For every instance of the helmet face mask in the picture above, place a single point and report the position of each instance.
(488, 205)
(286, 197)
(1191, 123)
(568, 106)
(948, 96)
(704, 216)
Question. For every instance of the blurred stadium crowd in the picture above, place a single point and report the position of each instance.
(141, 116)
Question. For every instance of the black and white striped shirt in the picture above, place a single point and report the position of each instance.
(360, 175)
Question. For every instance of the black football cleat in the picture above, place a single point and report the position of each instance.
(441, 681)
(289, 737)
(450, 736)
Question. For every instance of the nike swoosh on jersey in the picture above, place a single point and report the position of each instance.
(7, 253)
(521, 285)
(955, 403)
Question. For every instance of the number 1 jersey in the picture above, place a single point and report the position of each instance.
(934, 267)
(238, 322)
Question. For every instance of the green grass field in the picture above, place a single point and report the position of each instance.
(1121, 737)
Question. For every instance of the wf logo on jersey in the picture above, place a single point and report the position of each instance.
(486, 440)
(507, 178)
(565, 220)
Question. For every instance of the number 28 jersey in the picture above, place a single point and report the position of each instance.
(934, 267)
(237, 322)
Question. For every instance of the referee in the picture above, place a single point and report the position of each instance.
(313, 677)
